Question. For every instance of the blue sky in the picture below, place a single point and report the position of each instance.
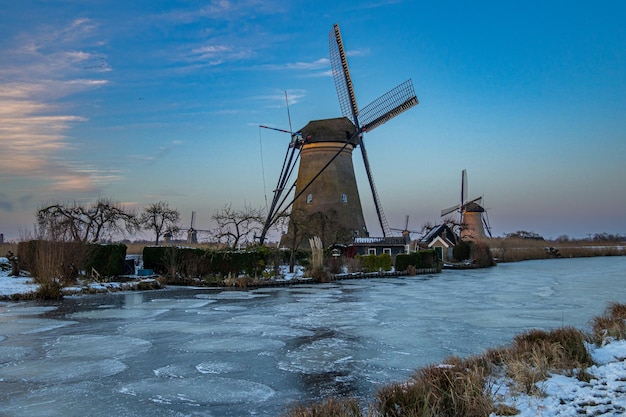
(161, 100)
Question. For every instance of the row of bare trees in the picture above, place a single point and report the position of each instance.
(106, 219)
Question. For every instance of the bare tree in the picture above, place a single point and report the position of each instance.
(80, 223)
(161, 219)
(237, 226)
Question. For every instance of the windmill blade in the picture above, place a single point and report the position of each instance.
(485, 218)
(386, 107)
(486, 223)
(379, 208)
(463, 186)
(193, 219)
(449, 210)
(406, 223)
(341, 75)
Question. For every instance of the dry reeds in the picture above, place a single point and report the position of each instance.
(456, 388)
(536, 353)
(610, 325)
(516, 249)
(332, 407)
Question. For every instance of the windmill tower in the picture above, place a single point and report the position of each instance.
(326, 184)
(473, 219)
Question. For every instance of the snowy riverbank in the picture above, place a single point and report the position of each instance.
(603, 395)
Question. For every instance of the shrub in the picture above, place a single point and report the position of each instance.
(420, 259)
(107, 260)
(375, 263)
(462, 251)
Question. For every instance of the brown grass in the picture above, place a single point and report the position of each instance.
(514, 249)
(6, 247)
(331, 407)
(457, 388)
(610, 325)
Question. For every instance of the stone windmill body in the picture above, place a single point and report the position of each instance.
(473, 217)
(326, 198)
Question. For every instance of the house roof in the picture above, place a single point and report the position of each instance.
(379, 241)
(446, 242)
(437, 231)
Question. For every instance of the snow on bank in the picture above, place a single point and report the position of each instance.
(21, 286)
(604, 395)
(14, 285)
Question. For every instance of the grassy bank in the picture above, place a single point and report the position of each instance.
(513, 250)
(463, 387)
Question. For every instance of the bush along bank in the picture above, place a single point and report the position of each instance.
(484, 385)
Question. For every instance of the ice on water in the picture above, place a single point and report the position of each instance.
(55, 371)
(231, 344)
(97, 346)
(183, 351)
(201, 390)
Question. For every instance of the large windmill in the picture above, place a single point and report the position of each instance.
(472, 216)
(326, 182)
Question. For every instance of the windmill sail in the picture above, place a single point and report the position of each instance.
(341, 75)
(375, 114)
(386, 107)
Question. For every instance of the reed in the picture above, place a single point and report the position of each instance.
(610, 325)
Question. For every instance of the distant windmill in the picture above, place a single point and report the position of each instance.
(472, 220)
(406, 233)
(326, 182)
(192, 232)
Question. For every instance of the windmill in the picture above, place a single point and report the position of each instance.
(473, 222)
(192, 232)
(326, 181)
(406, 233)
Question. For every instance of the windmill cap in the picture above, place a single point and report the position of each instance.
(328, 130)
(474, 208)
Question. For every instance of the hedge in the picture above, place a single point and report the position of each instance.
(420, 259)
(200, 262)
(375, 263)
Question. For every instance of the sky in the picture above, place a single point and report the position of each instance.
(147, 101)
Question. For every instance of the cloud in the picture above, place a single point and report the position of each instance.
(278, 98)
(215, 54)
(318, 64)
(44, 67)
(225, 11)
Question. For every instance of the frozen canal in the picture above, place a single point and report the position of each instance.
(201, 352)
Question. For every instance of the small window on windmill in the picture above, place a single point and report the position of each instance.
(371, 251)
(387, 251)
(344, 198)
(309, 198)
